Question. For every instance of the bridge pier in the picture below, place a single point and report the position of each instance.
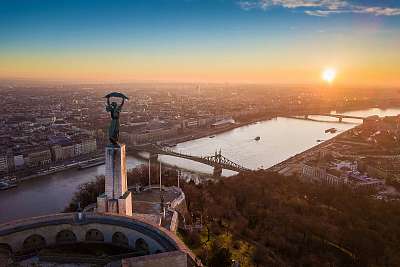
(153, 158)
(340, 117)
(217, 171)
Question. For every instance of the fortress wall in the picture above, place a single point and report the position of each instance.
(176, 259)
(15, 234)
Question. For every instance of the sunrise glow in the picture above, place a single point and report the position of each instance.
(329, 75)
(234, 43)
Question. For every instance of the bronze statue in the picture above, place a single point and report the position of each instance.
(114, 110)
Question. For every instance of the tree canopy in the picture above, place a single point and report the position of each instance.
(287, 222)
(265, 219)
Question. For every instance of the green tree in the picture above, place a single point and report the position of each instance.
(219, 257)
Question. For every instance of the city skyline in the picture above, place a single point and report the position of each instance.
(265, 41)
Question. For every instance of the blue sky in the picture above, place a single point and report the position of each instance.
(164, 31)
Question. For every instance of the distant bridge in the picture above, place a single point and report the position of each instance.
(218, 161)
(339, 116)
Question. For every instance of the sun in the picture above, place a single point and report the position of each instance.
(329, 75)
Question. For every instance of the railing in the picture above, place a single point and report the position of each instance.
(339, 116)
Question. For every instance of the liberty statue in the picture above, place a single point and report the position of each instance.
(114, 109)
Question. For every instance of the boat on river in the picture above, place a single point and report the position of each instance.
(168, 144)
(257, 138)
(331, 130)
(7, 185)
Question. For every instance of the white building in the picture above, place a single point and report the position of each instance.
(89, 146)
(322, 175)
(150, 136)
(19, 162)
(39, 157)
(334, 177)
(78, 149)
(3, 163)
(56, 152)
(68, 151)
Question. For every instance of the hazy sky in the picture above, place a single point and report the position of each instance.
(269, 41)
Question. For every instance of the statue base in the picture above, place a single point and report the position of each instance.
(116, 199)
(115, 174)
(122, 205)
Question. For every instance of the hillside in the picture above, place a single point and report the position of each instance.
(263, 219)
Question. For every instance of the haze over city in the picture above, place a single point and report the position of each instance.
(257, 41)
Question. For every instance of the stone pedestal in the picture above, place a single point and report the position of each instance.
(102, 205)
(115, 176)
(116, 199)
(125, 204)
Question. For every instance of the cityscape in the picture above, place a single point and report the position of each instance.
(219, 133)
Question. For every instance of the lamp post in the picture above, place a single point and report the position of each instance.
(179, 174)
(160, 176)
(149, 172)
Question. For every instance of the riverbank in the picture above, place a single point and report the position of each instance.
(201, 133)
(281, 165)
(280, 140)
(60, 168)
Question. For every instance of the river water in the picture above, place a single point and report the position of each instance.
(280, 139)
(47, 194)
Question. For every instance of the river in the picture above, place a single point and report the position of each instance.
(47, 194)
(280, 139)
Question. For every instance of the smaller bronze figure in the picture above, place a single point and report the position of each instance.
(114, 109)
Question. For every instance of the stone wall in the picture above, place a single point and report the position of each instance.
(170, 259)
(14, 234)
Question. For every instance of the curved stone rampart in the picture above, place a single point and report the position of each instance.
(84, 227)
